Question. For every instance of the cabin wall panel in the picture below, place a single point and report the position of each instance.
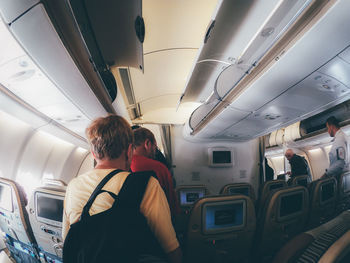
(14, 134)
(191, 159)
(28, 155)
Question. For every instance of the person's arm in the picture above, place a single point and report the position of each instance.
(155, 208)
(335, 168)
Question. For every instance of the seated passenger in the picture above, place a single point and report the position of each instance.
(144, 153)
(111, 143)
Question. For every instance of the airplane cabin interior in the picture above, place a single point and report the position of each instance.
(226, 87)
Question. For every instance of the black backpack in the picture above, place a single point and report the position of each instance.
(119, 234)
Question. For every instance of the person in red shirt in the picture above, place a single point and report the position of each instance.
(143, 160)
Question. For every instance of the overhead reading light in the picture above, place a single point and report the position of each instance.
(20, 75)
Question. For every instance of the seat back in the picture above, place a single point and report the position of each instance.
(46, 211)
(299, 180)
(344, 192)
(239, 188)
(14, 221)
(323, 200)
(265, 190)
(284, 216)
(187, 196)
(221, 229)
(326, 243)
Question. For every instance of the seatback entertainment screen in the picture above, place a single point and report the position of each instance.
(224, 216)
(49, 208)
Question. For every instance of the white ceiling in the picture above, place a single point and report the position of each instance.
(174, 32)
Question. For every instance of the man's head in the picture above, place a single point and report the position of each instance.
(332, 125)
(145, 143)
(289, 154)
(110, 138)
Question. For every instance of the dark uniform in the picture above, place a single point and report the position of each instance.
(299, 166)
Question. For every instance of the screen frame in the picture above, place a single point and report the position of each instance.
(211, 151)
(346, 177)
(223, 229)
(42, 219)
(11, 192)
(293, 215)
(330, 200)
(191, 190)
(238, 188)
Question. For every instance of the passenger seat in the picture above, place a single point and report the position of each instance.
(344, 192)
(323, 200)
(239, 188)
(265, 190)
(14, 222)
(221, 229)
(187, 196)
(299, 180)
(46, 211)
(327, 243)
(283, 216)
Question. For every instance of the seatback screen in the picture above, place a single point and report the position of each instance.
(221, 156)
(275, 186)
(346, 183)
(6, 197)
(327, 191)
(189, 196)
(240, 190)
(49, 208)
(219, 217)
(291, 204)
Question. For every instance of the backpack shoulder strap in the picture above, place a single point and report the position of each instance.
(133, 189)
(96, 192)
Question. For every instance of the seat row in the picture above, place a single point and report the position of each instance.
(227, 227)
(32, 231)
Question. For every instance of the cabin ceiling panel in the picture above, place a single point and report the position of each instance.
(314, 49)
(175, 24)
(164, 77)
(345, 55)
(228, 117)
(236, 22)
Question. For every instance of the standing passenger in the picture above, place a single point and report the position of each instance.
(298, 165)
(144, 153)
(111, 143)
(338, 154)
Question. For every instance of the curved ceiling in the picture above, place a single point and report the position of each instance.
(174, 33)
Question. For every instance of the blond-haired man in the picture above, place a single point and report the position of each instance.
(111, 144)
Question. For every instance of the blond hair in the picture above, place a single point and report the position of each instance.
(109, 136)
